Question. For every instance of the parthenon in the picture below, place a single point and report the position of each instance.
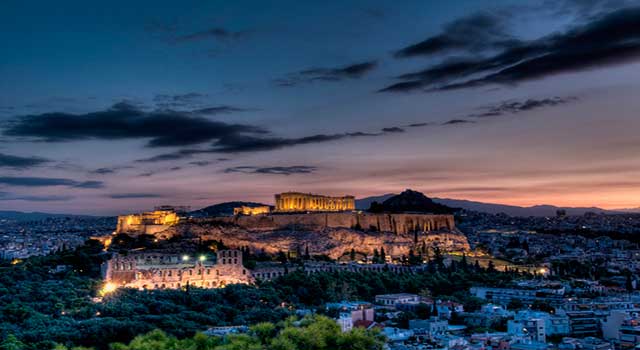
(297, 202)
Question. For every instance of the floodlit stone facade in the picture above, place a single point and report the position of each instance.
(371, 222)
(172, 271)
(245, 210)
(302, 202)
(148, 222)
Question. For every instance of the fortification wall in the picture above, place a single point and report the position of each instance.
(396, 223)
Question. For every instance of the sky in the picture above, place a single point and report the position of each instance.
(119, 106)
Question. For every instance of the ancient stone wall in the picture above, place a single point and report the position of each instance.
(245, 210)
(148, 222)
(396, 223)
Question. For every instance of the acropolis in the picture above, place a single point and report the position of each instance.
(301, 202)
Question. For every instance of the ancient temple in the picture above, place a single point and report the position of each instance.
(302, 202)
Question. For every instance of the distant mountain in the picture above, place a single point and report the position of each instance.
(33, 216)
(411, 201)
(365, 203)
(628, 210)
(513, 210)
(223, 209)
(495, 208)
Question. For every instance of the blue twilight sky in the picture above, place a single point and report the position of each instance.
(119, 106)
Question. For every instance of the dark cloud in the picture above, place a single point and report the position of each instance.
(242, 143)
(4, 196)
(220, 110)
(514, 107)
(124, 121)
(393, 129)
(213, 33)
(417, 125)
(133, 195)
(457, 121)
(278, 170)
(193, 102)
(47, 182)
(206, 162)
(16, 162)
(103, 171)
(606, 40)
(200, 163)
(353, 71)
(178, 100)
(477, 32)
(89, 184)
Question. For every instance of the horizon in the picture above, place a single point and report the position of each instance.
(134, 105)
(271, 203)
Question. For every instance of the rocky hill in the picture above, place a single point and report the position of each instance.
(333, 242)
(410, 201)
(222, 209)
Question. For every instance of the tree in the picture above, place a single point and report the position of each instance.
(282, 257)
(515, 304)
(12, 343)
(352, 255)
(376, 207)
(307, 256)
(264, 331)
(414, 259)
(383, 256)
(423, 310)
(491, 267)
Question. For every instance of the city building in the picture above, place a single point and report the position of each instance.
(629, 333)
(533, 327)
(554, 324)
(394, 299)
(586, 343)
(430, 327)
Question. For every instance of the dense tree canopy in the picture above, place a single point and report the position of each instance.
(40, 307)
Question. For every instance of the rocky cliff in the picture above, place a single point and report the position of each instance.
(333, 242)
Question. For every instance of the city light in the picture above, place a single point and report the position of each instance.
(108, 288)
(202, 258)
(185, 258)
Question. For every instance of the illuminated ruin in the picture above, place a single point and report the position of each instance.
(171, 271)
(148, 222)
(245, 210)
(302, 202)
